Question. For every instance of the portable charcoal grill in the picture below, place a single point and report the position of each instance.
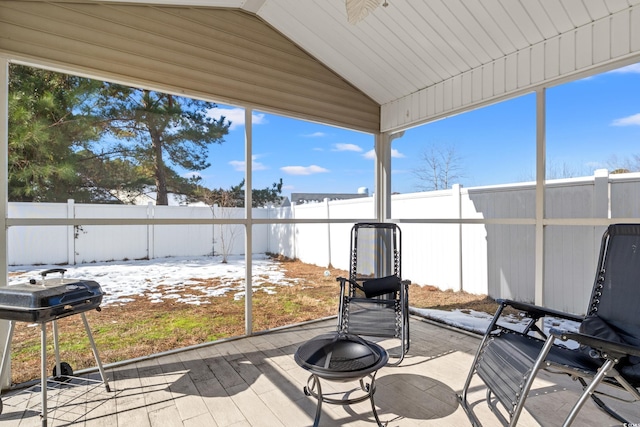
(43, 301)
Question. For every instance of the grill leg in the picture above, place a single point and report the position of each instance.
(7, 348)
(43, 372)
(56, 348)
(95, 352)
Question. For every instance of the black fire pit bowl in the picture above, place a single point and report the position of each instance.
(340, 357)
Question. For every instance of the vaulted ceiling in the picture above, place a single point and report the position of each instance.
(423, 59)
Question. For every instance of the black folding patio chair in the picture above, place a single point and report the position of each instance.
(608, 353)
(374, 300)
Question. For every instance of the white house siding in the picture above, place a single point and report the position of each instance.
(228, 56)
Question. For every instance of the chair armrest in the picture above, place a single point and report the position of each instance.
(612, 348)
(537, 312)
(343, 282)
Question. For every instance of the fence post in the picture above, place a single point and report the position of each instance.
(326, 203)
(456, 203)
(150, 232)
(215, 214)
(294, 251)
(269, 227)
(601, 205)
(71, 234)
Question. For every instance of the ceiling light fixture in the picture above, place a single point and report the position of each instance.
(357, 10)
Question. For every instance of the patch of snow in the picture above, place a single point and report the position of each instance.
(478, 322)
(179, 279)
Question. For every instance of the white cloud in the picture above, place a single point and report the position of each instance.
(633, 68)
(396, 154)
(238, 165)
(371, 154)
(192, 175)
(303, 170)
(627, 121)
(236, 116)
(315, 135)
(346, 147)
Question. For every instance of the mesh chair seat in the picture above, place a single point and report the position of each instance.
(508, 357)
(379, 318)
(507, 361)
(374, 299)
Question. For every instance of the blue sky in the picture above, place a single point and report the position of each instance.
(590, 123)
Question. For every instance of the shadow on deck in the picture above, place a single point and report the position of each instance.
(255, 381)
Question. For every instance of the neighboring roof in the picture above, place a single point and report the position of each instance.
(411, 62)
(149, 195)
(302, 198)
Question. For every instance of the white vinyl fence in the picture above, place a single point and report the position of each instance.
(493, 259)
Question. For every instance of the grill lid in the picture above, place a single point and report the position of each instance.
(340, 354)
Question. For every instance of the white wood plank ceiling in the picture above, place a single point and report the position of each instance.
(421, 60)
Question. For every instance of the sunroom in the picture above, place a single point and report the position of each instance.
(380, 69)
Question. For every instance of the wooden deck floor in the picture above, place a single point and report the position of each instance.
(256, 382)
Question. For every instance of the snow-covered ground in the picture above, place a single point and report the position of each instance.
(175, 279)
(167, 278)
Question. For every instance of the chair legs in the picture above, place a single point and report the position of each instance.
(404, 343)
(507, 373)
(597, 379)
(512, 390)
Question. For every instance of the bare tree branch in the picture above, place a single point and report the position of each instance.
(440, 168)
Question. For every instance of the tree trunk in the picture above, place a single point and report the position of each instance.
(161, 176)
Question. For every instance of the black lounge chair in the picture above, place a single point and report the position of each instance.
(508, 361)
(374, 300)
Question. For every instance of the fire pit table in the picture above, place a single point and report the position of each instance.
(341, 357)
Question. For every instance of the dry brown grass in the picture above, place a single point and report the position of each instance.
(140, 328)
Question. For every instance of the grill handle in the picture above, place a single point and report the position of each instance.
(53, 270)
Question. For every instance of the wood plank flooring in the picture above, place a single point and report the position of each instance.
(255, 381)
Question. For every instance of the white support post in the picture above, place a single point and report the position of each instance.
(248, 305)
(326, 204)
(382, 191)
(540, 190)
(380, 200)
(4, 205)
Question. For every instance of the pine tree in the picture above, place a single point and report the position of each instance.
(47, 128)
(159, 132)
